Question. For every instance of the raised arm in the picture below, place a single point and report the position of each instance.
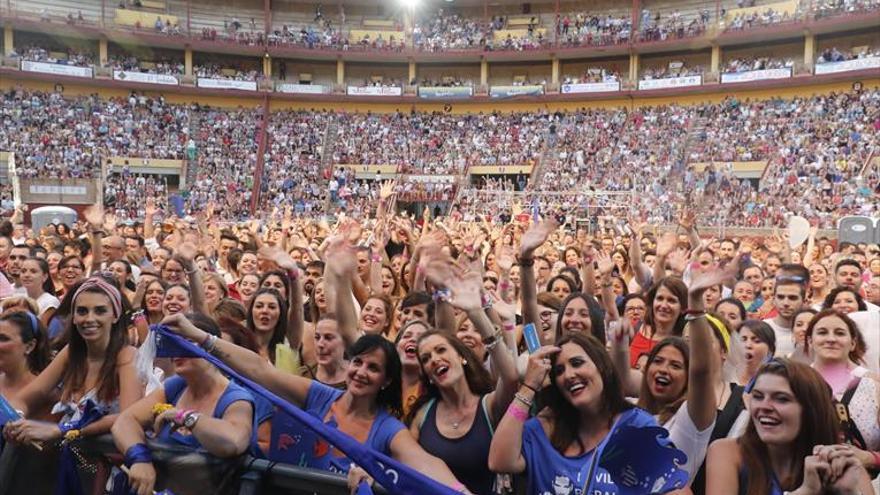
(149, 217)
(341, 268)
(606, 266)
(665, 245)
(505, 453)
(641, 272)
(95, 217)
(295, 319)
(621, 333)
(187, 253)
(293, 388)
(532, 239)
(701, 400)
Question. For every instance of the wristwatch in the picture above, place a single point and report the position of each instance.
(190, 420)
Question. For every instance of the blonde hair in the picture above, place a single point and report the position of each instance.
(18, 301)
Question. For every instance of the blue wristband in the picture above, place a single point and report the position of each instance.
(65, 427)
(137, 453)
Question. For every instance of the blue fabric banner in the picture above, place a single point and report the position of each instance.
(394, 476)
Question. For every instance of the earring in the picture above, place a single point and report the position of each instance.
(464, 362)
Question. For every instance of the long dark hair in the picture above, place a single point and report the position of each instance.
(597, 315)
(478, 379)
(31, 330)
(566, 418)
(679, 290)
(48, 284)
(829, 299)
(77, 369)
(646, 399)
(389, 397)
(277, 273)
(819, 426)
(280, 332)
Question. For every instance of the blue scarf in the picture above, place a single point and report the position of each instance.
(68, 474)
(391, 474)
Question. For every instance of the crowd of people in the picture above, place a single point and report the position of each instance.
(757, 63)
(833, 54)
(603, 149)
(492, 355)
(672, 25)
(670, 70)
(72, 56)
(754, 19)
(585, 29)
(130, 63)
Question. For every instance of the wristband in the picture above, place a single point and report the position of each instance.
(517, 413)
(377, 258)
(533, 389)
(522, 398)
(72, 435)
(66, 427)
(180, 416)
(293, 274)
(694, 316)
(441, 295)
(504, 285)
(209, 343)
(526, 262)
(508, 327)
(136, 454)
(876, 459)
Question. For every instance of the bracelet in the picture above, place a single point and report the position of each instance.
(517, 413)
(876, 459)
(181, 415)
(136, 454)
(209, 343)
(522, 398)
(293, 275)
(526, 262)
(694, 316)
(377, 258)
(190, 272)
(72, 435)
(65, 427)
(441, 295)
(485, 301)
(533, 389)
(160, 408)
(508, 327)
(504, 285)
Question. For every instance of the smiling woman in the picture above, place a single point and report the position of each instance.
(97, 367)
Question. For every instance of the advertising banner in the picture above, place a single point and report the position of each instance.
(227, 84)
(124, 75)
(57, 69)
(374, 91)
(591, 87)
(672, 82)
(307, 89)
(848, 65)
(511, 91)
(756, 75)
(446, 92)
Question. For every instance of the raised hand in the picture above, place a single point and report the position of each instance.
(187, 251)
(604, 263)
(465, 291)
(150, 209)
(278, 256)
(538, 367)
(703, 278)
(504, 258)
(535, 237)
(678, 260)
(386, 190)
(665, 244)
(94, 215)
(340, 257)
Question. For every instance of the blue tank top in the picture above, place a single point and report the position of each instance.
(775, 489)
(302, 447)
(468, 456)
(175, 386)
(550, 472)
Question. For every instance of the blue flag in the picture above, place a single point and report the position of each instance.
(68, 474)
(7, 412)
(364, 489)
(640, 459)
(176, 202)
(391, 474)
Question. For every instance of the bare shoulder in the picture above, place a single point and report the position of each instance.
(725, 450)
(127, 355)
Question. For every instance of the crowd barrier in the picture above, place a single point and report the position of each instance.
(246, 475)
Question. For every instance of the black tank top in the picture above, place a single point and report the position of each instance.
(468, 456)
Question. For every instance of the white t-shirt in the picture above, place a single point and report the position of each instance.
(687, 438)
(784, 338)
(47, 301)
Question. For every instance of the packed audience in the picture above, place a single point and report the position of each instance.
(757, 63)
(213, 70)
(671, 70)
(833, 54)
(672, 25)
(593, 75)
(126, 193)
(766, 17)
(73, 56)
(692, 361)
(157, 66)
(315, 35)
(60, 137)
(585, 29)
